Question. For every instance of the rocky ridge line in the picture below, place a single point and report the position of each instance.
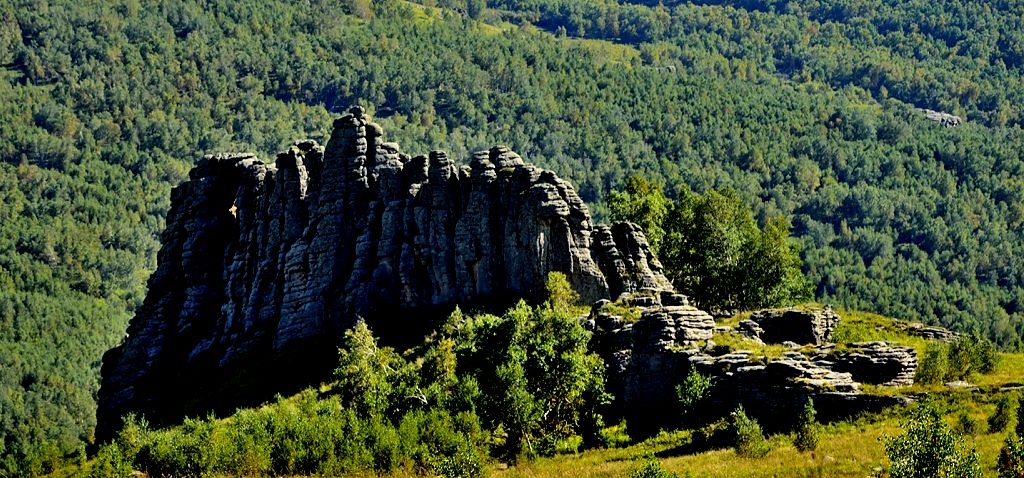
(263, 266)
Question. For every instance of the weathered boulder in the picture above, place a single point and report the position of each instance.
(751, 329)
(646, 359)
(945, 119)
(932, 332)
(803, 325)
(774, 390)
(263, 266)
(877, 363)
(622, 251)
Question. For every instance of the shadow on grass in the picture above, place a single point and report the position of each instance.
(690, 448)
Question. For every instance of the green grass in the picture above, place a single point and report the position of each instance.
(854, 326)
(735, 320)
(615, 53)
(867, 327)
(736, 341)
(1009, 371)
(626, 312)
(846, 449)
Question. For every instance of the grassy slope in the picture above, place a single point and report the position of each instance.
(846, 449)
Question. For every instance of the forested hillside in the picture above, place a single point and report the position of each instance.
(964, 57)
(806, 109)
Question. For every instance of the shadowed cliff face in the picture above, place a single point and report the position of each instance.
(262, 267)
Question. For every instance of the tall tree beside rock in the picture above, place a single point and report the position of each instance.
(642, 202)
(713, 249)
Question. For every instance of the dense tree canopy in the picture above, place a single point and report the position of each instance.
(713, 249)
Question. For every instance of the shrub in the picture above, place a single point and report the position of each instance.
(932, 367)
(560, 294)
(443, 444)
(929, 448)
(364, 372)
(651, 468)
(117, 459)
(749, 440)
(960, 359)
(111, 462)
(1003, 414)
(693, 389)
(615, 436)
(807, 429)
(986, 357)
(1020, 421)
(132, 435)
(1011, 458)
(461, 465)
(968, 355)
(187, 450)
(717, 434)
(966, 424)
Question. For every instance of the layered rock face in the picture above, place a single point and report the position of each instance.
(262, 267)
(801, 326)
(876, 363)
(648, 358)
(932, 333)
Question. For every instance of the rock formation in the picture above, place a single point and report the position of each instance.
(945, 119)
(648, 358)
(803, 326)
(263, 266)
(932, 333)
(877, 363)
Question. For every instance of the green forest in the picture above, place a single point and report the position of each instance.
(805, 110)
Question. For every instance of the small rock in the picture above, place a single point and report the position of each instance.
(805, 326)
(961, 385)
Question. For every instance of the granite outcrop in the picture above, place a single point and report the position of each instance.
(263, 266)
(799, 325)
(650, 355)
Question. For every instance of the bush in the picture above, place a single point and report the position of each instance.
(111, 462)
(461, 465)
(1020, 422)
(1003, 414)
(986, 357)
(444, 444)
(365, 371)
(651, 468)
(693, 389)
(932, 367)
(615, 436)
(968, 355)
(1011, 458)
(749, 440)
(528, 374)
(182, 451)
(717, 434)
(929, 448)
(807, 429)
(967, 425)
